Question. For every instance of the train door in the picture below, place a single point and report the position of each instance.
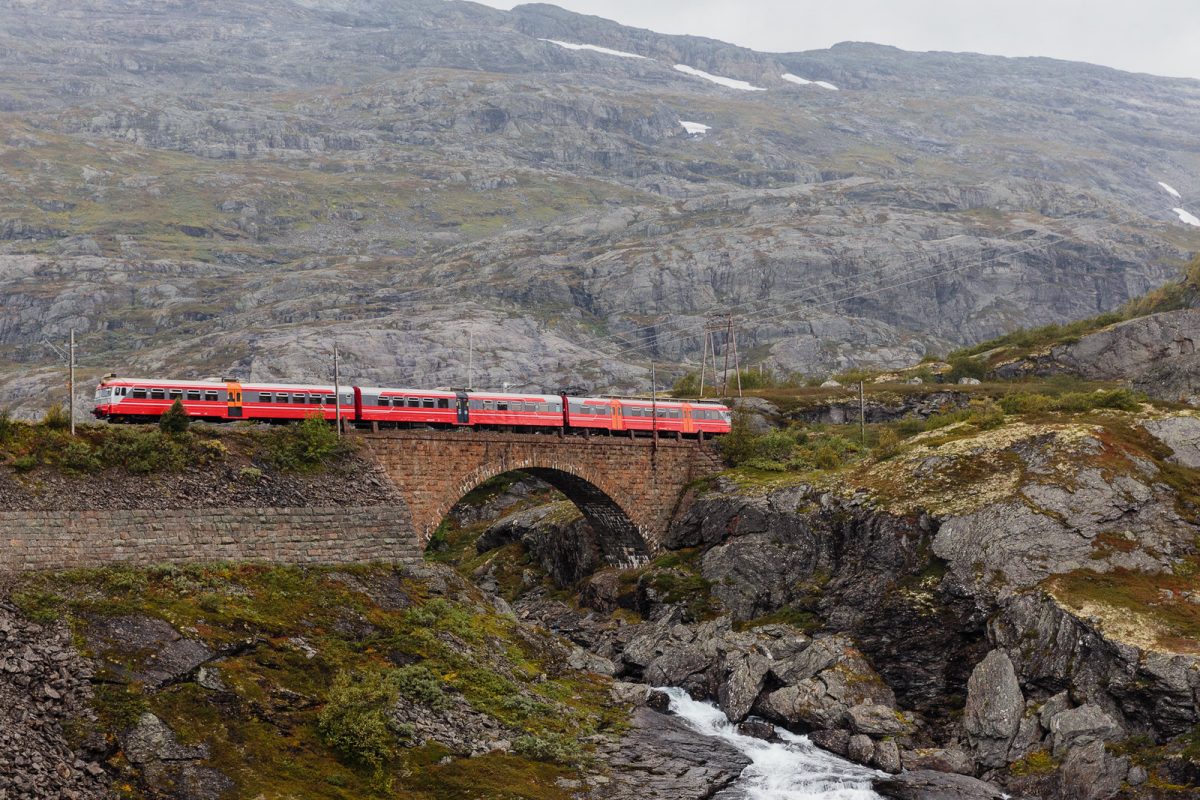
(234, 402)
(688, 425)
(618, 420)
(463, 405)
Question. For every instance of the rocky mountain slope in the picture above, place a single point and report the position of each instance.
(213, 188)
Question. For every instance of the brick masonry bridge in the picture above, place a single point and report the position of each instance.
(628, 489)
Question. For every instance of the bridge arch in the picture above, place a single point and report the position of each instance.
(628, 489)
(620, 539)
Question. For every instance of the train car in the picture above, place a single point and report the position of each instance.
(643, 416)
(516, 412)
(146, 399)
(398, 408)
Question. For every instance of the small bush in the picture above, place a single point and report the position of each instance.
(827, 458)
(175, 420)
(79, 456)
(1026, 403)
(211, 450)
(56, 418)
(8, 427)
(552, 747)
(888, 444)
(986, 416)
(307, 445)
(966, 367)
(250, 474)
(686, 386)
(354, 721)
(143, 451)
(420, 685)
(25, 463)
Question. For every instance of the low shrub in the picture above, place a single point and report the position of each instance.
(56, 418)
(8, 427)
(966, 367)
(143, 451)
(552, 747)
(307, 445)
(887, 445)
(175, 420)
(78, 455)
(355, 722)
(1026, 403)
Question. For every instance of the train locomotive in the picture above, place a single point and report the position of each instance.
(133, 400)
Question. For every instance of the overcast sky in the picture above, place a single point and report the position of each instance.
(1157, 36)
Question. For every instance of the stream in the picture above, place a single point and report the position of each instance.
(790, 769)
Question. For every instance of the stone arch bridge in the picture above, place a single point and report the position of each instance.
(628, 489)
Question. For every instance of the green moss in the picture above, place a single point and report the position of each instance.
(806, 621)
(1039, 762)
(310, 719)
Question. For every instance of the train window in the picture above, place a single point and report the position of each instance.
(476, 405)
(193, 394)
(443, 402)
(414, 402)
(264, 397)
(503, 406)
(427, 402)
(329, 399)
(158, 394)
(175, 394)
(211, 397)
(314, 399)
(281, 397)
(139, 393)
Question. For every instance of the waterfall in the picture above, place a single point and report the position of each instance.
(790, 769)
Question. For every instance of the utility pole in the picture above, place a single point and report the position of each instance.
(337, 394)
(737, 369)
(470, 360)
(654, 405)
(69, 358)
(862, 414)
(71, 380)
(704, 362)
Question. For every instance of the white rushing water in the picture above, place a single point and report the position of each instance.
(792, 769)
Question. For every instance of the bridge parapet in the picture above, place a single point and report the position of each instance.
(629, 489)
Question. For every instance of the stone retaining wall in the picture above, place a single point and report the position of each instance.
(44, 540)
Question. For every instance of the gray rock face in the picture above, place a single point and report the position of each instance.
(1155, 353)
(929, 785)
(152, 746)
(543, 186)
(949, 759)
(1181, 434)
(169, 655)
(994, 708)
(1091, 773)
(660, 757)
(1081, 726)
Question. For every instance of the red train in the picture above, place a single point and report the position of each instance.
(145, 399)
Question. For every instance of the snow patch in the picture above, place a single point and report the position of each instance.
(787, 76)
(730, 83)
(594, 48)
(1186, 218)
(1169, 189)
(826, 85)
(695, 128)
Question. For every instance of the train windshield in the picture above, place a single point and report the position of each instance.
(103, 392)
